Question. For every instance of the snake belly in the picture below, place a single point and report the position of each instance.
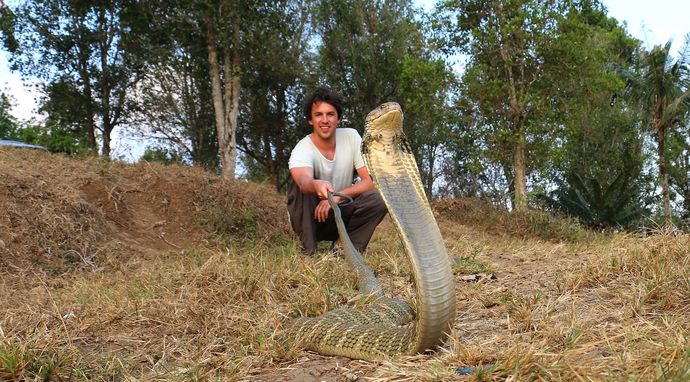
(390, 327)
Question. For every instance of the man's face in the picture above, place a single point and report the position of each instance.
(324, 119)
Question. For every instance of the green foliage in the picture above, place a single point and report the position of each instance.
(659, 85)
(55, 138)
(503, 81)
(598, 204)
(87, 58)
(271, 121)
(536, 73)
(21, 362)
(8, 124)
(7, 20)
(426, 85)
(363, 50)
(388, 57)
(600, 132)
(162, 155)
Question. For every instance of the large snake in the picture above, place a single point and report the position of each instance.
(390, 327)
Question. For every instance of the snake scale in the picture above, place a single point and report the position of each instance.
(390, 327)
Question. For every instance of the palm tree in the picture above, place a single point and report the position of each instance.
(660, 86)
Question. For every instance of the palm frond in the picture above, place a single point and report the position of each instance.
(684, 51)
(598, 204)
(678, 108)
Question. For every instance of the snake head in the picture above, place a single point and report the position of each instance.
(387, 119)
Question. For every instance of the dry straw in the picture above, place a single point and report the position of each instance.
(146, 272)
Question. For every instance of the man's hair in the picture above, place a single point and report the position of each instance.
(322, 95)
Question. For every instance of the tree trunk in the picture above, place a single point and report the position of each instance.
(225, 100)
(509, 52)
(105, 150)
(429, 181)
(520, 203)
(105, 86)
(663, 177)
(88, 93)
(217, 95)
(233, 96)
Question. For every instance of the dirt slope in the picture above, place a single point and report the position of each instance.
(59, 213)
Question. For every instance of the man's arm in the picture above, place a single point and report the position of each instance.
(365, 184)
(304, 178)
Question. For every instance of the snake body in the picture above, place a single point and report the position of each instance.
(390, 327)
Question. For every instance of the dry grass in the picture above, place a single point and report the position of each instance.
(529, 224)
(163, 297)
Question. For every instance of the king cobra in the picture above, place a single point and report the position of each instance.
(390, 327)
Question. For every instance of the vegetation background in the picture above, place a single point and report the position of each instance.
(557, 159)
(549, 104)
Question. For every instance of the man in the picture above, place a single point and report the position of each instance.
(325, 161)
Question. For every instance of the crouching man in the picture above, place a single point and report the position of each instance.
(326, 161)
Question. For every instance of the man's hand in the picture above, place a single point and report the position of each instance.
(321, 211)
(322, 188)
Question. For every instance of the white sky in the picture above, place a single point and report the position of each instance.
(653, 22)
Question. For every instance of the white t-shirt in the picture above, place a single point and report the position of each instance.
(340, 170)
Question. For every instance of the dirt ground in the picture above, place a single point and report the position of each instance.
(525, 305)
(480, 321)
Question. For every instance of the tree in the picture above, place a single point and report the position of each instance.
(222, 32)
(506, 41)
(537, 89)
(426, 85)
(600, 140)
(175, 97)
(223, 29)
(271, 120)
(84, 48)
(377, 51)
(660, 86)
(363, 50)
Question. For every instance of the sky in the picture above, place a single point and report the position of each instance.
(652, 22)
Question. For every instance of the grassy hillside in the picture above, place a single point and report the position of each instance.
(125, 272)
